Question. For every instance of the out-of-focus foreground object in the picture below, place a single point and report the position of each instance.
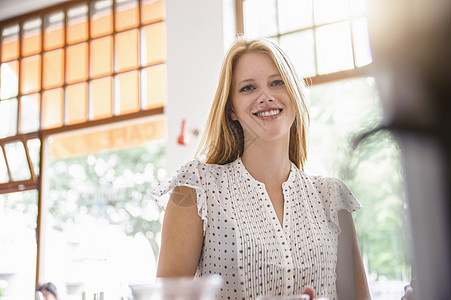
(411, 47)
(200, 288)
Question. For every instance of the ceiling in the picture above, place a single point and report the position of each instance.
(13, 8)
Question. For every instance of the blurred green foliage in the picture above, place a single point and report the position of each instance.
(112, 186)
(339, 112)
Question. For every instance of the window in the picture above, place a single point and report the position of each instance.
(93, 61)
(80, 64)
(327, 41)
(102, 225)
(320, 36)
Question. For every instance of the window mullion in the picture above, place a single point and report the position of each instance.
(276, 3)
(239, 16)
(19, 74)
(113, 76)
(8, 171)
(140, 54)
(41, 102)
(314, 37)
(29, 162)
(41, 213)
(351, 20)
(90, 3)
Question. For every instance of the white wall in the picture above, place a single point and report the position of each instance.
(195, 45)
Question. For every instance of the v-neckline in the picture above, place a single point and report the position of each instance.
(277, 224)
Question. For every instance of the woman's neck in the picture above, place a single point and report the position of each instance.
(268, 161)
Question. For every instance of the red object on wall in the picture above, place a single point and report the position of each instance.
(183, 139)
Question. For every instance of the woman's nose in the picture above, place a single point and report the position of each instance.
(265, 96)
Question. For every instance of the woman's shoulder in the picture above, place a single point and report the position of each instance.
(326, 185)
(202, 168)
(319, 180)
(203, 174)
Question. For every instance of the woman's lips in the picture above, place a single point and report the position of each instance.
(267, 113)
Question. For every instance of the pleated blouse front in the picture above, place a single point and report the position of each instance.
(244, 241)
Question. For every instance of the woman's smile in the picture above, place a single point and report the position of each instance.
(268, 113)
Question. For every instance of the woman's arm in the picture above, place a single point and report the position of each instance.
(351, 278)
(182, 235)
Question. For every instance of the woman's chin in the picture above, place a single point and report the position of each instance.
(269, 136)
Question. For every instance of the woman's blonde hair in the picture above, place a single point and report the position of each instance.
(223, 140)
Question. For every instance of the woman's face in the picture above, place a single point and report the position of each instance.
(260, 100)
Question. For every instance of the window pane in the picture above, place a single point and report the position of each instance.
(10, 43)
(126, 50)
(101, 56)
(152, 11)
(9, 81)
(101, 104)
(3, 170)
(339, 109)
(31, 41)
(29, 113)
(34, 149)
(18, 213)
(300, 49)
(358, 6)
(154, 86)
(8, 117)
(77, 63)
(54, 31)
(101, 18)
(76, 103)
(126, 14)
(53, 69)
(295, 14)
(153, 44)
(259, 18)
(361, 42)
(77, 29)
(17, 161)
(89, 220)
(126, 89)
(330, 10)
(30, 74)
(372, 171)
(334, 50)
(52, 108)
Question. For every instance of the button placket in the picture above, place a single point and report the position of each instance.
(282, 231)
(284, 238)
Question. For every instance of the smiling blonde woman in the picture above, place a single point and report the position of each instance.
(249, 212)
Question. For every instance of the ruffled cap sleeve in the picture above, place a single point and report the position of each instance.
(340, 198)
(188, 175)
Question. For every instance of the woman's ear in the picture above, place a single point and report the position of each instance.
(231, 111)
(233, 115)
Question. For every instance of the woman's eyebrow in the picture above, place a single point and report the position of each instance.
(252, 80)
(245, 81)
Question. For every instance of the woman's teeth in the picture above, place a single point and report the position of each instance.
(268, 113)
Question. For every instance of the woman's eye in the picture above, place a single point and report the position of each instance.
(277, 82)
(247, 88)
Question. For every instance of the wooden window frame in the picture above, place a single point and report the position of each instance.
(36, 182)
(364, 71)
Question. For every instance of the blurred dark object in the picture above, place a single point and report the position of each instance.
(411, 46)
(47, 291)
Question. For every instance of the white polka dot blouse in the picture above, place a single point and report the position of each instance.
(244, 241)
